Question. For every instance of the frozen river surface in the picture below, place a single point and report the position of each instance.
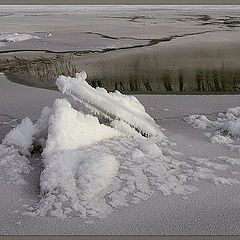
(212, 209)
(183, 179)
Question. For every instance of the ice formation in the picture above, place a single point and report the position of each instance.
(16, 37)
(224, 130)
(113, 106)
(22, 136)
(99, 151)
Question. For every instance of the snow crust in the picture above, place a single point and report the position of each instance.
(100, 151)
(16, 37)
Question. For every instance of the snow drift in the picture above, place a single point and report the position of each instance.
(99, 150)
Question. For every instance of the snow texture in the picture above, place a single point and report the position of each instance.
(100, 151)
(224, 130)
(114, 106)
(16, 166)
(232, 161)
(16, 37)
(69, 129)
(22, 136)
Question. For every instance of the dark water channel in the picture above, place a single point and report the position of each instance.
(197, 71)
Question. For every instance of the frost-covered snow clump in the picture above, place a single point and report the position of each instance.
(111, 106)
(224, 130)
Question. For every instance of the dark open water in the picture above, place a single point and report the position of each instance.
(197, 71)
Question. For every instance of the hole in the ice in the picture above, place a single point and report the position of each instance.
(37, 149)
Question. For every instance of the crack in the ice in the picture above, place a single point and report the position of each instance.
(151, 42)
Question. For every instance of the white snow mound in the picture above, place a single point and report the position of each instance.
(114, 106)
(22, 136)
(225, 129)
(69, 129)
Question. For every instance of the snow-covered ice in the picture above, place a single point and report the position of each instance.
(168, 213)
(100, 151)
(140, 170)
